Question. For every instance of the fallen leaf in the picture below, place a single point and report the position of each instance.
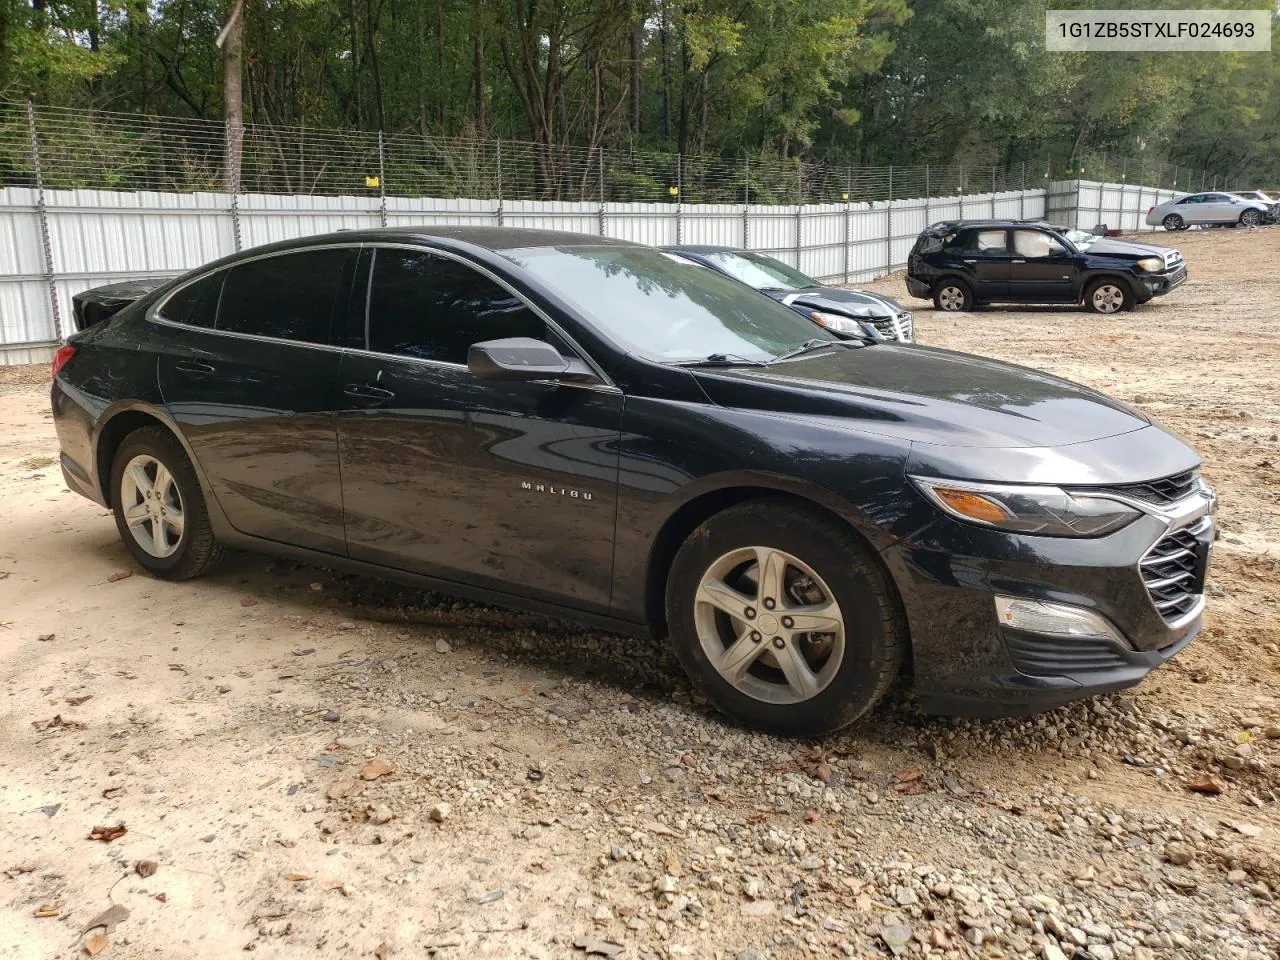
(146, 868)
(96, 944)
(1207, 783)
(661, 829)
(375, 769)
(822, 772)
(76, 701)
(162, 897)
(299, 877)
(48, 910)
(906, 776)
(178, 667)
(345, 788)
(107, 919)
(248, 601)
(382, 951)
(116, 578)
(110, 793)
(1243, 736)
(58, 723)
(107, 834)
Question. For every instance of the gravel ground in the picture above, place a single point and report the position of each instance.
(306, 763)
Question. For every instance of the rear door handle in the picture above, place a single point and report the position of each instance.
(1017, 261)
(196, 368)
(971, 261)
(368, 391)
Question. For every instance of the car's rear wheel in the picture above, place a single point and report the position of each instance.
(159, 507)
(1174, 222)
(952, 296)
(783, 618)
(1108, 296)
(1251, 218)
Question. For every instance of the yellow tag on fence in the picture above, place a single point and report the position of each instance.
(373, 181)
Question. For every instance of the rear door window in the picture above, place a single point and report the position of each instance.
(434, 308)
(989, 243)
(292, 296)
(197, 303)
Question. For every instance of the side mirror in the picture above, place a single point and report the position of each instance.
(523, 358)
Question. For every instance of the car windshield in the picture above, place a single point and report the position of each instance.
(761, 272)
(664, 309)
(1081, 239)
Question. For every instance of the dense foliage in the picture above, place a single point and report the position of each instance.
(846, 81)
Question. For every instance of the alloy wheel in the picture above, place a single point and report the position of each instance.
(1173, 222)
(951, 298)
(769, 625)
(1251, 218)
(152, 505)
(1108, 298)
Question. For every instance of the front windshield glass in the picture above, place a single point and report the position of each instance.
(1081, 239)
(761, 272)
(664, 309)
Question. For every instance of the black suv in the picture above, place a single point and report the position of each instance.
(962, 263)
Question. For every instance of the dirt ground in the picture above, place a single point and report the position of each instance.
(320, 765)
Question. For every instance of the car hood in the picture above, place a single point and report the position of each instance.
(849, 303)
(1127, 248)
(926, 395)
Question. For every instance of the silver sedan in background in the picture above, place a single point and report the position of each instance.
(1207, 209)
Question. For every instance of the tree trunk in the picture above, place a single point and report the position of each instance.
(371, 30)
(637, 39)
(666, 77)
(440, 74)
(139, 14)
(231, 39)
(477, 67)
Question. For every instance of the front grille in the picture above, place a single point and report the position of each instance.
(1165, 490)
(895, 328)
(1174, 571)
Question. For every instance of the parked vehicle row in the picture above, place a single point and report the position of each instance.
(1212, 209)
(961, 264)
(606, 431)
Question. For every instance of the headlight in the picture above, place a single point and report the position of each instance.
(1044, 511)
(833, 321)
(1151, 264)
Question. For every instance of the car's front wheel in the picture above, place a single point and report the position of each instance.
(782, 616)
(1174, 222)
(952, 296)
(159, 508)
(1251, 218)
(1108, 296)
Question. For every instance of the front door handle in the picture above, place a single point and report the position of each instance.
(195, 368)
(368, 391)
(971, 261)
(1017, 261)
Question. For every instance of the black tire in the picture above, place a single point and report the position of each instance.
(1174, 222)
(1251, 218)
(875, 632)
(196, 550)
(952, 296)
(1113, 304)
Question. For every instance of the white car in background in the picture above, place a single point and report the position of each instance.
(1210, 209)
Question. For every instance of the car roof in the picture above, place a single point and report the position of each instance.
(703, 248)
(495, 239)
(1005, 222)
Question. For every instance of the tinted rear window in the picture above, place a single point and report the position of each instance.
(289, 297)
(197, 303)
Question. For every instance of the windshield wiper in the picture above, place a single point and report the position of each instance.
(816, 343)
(723, 360)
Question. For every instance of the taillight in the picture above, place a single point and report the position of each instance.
(60, 358)
(1149, 209)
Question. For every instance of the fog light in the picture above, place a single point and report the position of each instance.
(1054, 619)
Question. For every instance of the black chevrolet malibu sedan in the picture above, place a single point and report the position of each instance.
(591, 428)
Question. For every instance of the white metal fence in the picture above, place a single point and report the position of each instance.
(59, 242)
(1119, 206)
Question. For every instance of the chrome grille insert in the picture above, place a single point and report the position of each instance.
(1165, 490)
(1173, 571)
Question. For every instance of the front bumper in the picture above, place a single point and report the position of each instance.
(966, 663)
(1157, 285)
